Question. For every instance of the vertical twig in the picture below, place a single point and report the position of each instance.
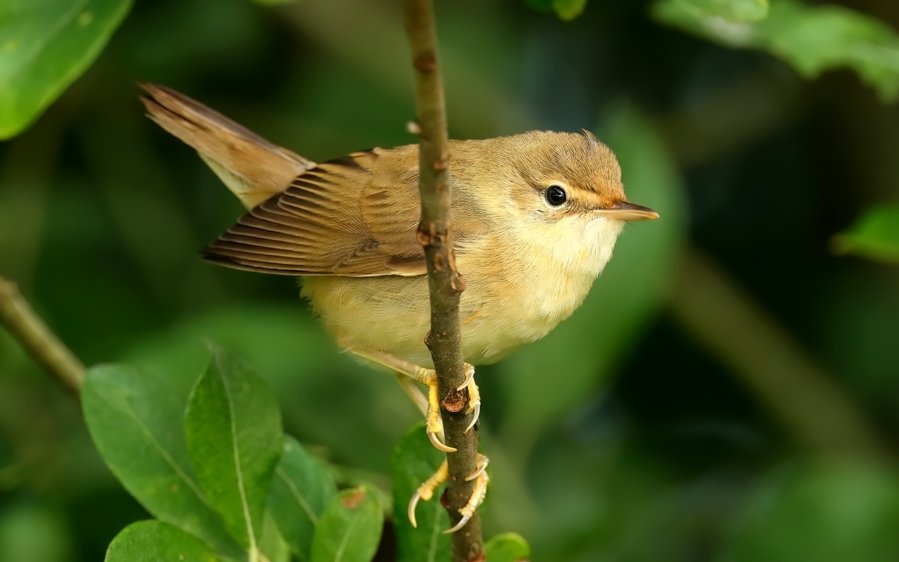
(37, 339)
(444, 281)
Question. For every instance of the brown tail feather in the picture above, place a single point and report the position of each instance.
(253, 168)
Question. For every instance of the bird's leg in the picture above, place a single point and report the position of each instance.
(428, 377)
(407, 374)
(426, 492)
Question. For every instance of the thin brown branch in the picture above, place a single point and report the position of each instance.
(41, 344)
(444, 281)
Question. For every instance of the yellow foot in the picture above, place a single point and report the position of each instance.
(426, 492)
(410, 372)
(433, 422)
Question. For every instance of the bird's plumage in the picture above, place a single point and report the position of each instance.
(348, 228)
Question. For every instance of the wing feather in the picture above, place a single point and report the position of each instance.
(353, 217)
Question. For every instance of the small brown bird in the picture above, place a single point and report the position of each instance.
(534, 219)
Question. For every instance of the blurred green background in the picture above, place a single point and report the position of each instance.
(729, 392)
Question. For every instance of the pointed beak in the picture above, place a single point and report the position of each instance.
(627, 211)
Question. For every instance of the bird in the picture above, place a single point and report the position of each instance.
(534, 220)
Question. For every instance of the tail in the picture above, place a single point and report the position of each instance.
(252, 168)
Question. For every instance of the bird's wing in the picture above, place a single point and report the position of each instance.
(355, 217)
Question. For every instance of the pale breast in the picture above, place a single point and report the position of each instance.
(512, 297)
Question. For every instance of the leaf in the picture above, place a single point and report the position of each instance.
(730, 10)
(508, 547)
(233, 430)
(632, 287)
(830, 511)
(414, 461)
(566, 9)
(300, 490)
(569, 9)
(875, 235)
(350, 528)
(135, 422)
(44, 46)
(152, 541)
(811, 38)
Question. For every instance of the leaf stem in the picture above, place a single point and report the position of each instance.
(445, 283)
(36, 338)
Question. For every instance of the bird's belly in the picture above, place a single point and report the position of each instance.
(391, 314)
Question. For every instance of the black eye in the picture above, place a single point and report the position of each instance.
(555, 195)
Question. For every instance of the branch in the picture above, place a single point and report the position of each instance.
(41, 344)
(445, 284)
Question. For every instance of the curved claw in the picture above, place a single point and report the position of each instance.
(438, 444)
(483, 461)
(410, 509)
(469, 372)
(462, 522)
(476, 414)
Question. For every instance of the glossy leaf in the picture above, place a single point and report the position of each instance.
(152, 541)
(875, 235)
(136, 424)
(350, 528)
(300, 490)
(233, 430)
(415, 460)
(631, 288)
(508, 547)
(44, 46)
(811, 38)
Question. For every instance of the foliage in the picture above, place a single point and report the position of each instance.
(623, 435)
(45, 46)
(214, 472)
(811, 38)
(875, 235)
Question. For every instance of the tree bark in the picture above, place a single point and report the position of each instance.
(445, 283)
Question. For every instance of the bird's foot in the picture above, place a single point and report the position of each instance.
(428, 487)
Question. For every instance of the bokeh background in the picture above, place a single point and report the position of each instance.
(729, 392)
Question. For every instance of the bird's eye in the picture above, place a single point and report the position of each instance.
(555, 195)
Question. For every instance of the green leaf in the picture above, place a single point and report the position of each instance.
(44, 46)
(827, 512)
(300, 490)
(875, 235)
(508, 547)
(233, 430)
(569, 9)
(566, 9)
(350, 528)
(811, 38)
(414, 461)
(135, 422)
(731, 10)
(632, 287)
(152, 541)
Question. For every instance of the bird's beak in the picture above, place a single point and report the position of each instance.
(627, 211)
